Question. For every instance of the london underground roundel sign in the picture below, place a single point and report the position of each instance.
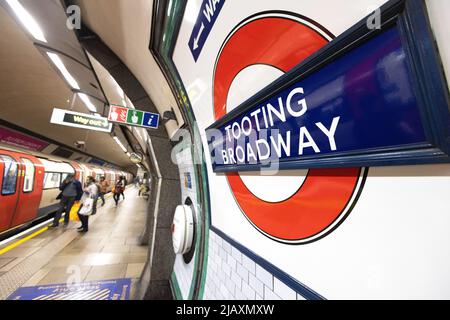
(306, 206)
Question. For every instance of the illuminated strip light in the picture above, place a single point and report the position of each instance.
(62, 68)
(121, 94)
(128, 154)
(87, 102)
(120, 144)
(120, 91)
(27, 20)
(129, 103)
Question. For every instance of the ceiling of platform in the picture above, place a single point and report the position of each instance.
(125, 26)
(31, 85)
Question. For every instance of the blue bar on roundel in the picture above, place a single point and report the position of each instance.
(362, 101)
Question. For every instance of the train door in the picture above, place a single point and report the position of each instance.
(113, 179)
(29, 189)
(78, 171)
(9, 173)
(86, 173)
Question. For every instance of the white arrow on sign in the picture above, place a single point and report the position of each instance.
(196, 39)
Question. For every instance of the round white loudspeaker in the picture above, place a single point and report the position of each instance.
(182, 229)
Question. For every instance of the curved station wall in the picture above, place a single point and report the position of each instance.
(374, 230)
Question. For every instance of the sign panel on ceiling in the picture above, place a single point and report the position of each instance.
(80, 120)
(132, 117)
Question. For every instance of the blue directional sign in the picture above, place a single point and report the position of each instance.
(117, 289)
(209, 12)
(363, 108)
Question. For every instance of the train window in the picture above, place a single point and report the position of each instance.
(28, 181)
(9, 175)
(64, 176)
(52, 180)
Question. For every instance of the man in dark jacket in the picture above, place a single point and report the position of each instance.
(71, 191)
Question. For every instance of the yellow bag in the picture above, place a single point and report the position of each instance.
(74, 212)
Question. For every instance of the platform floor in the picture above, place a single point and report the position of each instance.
(110, 250)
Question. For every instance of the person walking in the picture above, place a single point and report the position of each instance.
(71, 191)
(125, 182)
(137, 181)
(87, 204)
(104, 185)
(118, 190)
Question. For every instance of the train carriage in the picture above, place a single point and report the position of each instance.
(21, 181)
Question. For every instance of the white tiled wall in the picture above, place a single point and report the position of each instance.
(231, 275)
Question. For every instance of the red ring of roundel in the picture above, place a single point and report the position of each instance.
(282, 42)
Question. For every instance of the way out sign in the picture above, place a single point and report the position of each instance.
(132, 117)
(80, 120)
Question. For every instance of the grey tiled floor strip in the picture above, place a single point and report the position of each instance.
(13, 279)
(45, 253)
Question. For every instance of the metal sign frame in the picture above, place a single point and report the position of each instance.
(428, 84)
(126, 123)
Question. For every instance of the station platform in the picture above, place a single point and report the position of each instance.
(62, 264)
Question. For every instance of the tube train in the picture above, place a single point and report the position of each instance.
(30, 183)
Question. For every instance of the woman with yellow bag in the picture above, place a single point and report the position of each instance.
(74, 211)
(118, 189)
(87, 204)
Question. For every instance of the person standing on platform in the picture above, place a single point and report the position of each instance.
(118, 190)
(87, 207)
(71, 191)
(94, 209)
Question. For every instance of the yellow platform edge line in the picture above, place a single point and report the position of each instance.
(15, 244)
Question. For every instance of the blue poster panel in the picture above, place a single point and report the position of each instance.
(365, 107)
(118, 289)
